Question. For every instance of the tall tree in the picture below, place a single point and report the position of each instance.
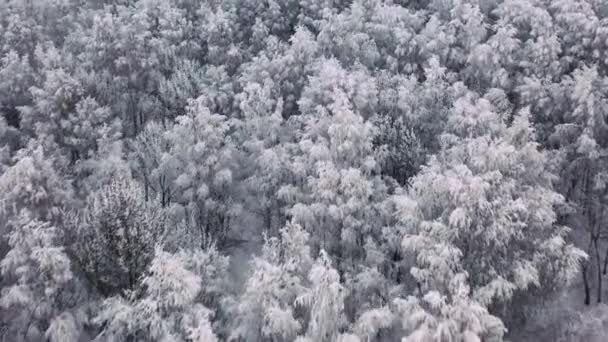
(113, 237)
(38, 284)
(485, 209)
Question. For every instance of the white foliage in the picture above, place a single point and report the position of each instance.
(168, 309)
(326, 301)
(63, 328)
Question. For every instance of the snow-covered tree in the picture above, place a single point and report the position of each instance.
(167, 305)
(341, 191)
(17, 77)
(61, 113)
(436, 151)
(38, 284)
(151, 163)
(485, 208)
(113, 237)
(32, 183)
(580, 145)
(402, 152)
(201, 155)
(325, 300)
(267, 310)
(266, 149)
(453, 316)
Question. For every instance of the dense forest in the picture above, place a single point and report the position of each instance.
(303, 170)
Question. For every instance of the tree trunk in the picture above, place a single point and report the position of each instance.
(599, 270)
(146, 191)
(605, 262)
(586, 286)
(585, 267)
(268, 219)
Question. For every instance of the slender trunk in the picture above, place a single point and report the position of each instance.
(605, 262)
(586, 286)
(268, 219)
(585, 267)
(204, 234)
(146, 191)
(134, 117)
(599, 270)
(590, 226)
(281, 219)
(141, 119)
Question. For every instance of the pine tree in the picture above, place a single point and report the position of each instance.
(114, 235)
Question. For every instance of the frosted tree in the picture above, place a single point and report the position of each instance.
(372, 323)
(189, 167)
(220, 31)
(108, 162)
(26, 24)
(266, 310)
(490, 63)
(267, 146)
(5, 149)
(32, 183)
(337, 201)
(484, 207)
(582, 155)
(325, 300)
(114, 235)
(329, 78)
(89, 125)
(167, 303)
(338, 196)
(453, 30)
(568, 113)
(451, 317)
(402, 152)
(17, 77)
(201, 154)
(132, 49)
(313, 12)
(36, 278)
(281, 70)
(186, 82)
(373, 34)
(150, 160)
(540, 46)
(38, 285)
(425, 106)
(61, 113)
(420, 144)
(577, 27)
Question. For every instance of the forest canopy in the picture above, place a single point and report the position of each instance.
(303, 170)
